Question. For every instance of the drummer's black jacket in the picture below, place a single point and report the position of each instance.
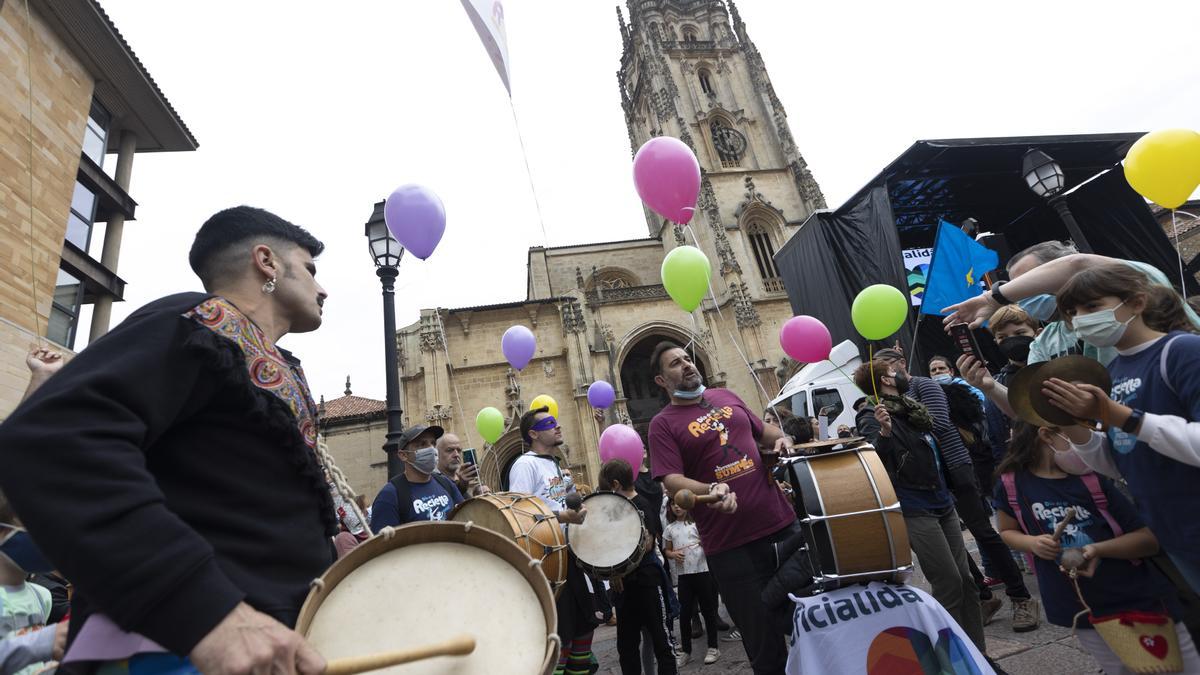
(164, 484)
(906, 454)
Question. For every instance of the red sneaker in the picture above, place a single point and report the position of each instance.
(992, 582)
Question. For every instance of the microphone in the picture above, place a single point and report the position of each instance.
(574, 501)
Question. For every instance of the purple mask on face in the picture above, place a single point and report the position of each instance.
(545, 424)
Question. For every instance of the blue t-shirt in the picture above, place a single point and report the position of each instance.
(430, 501)
(1117, 585)
(1167, 491)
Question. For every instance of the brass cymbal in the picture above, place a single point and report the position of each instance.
(1073, 368)
(1022, 383)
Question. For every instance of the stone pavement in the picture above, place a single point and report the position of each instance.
(1049, 650)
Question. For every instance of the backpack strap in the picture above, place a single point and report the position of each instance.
(446, 483)
(1010, 490)
(403, 495)
(1162, 365)
(1101, 501)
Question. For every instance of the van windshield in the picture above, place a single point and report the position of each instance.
(799, 404)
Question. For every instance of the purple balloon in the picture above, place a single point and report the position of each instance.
(416, 218)
(667, 177)
(622, 442)
(601, 394)
(518, 345)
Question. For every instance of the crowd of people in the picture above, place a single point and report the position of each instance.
(173, 473)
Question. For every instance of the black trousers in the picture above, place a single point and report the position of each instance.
(644, 606)
(697, 589)
(969, 504)
(741, 574)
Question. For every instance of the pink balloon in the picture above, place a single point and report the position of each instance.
(806, 339)
(667, 177)
(621, 441)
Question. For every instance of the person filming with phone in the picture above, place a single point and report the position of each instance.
(460, 466)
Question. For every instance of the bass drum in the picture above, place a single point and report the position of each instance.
(415, 585)
(612, 539)
(525, 520)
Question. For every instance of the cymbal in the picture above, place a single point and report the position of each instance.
(1019, 387)
(1073, 368)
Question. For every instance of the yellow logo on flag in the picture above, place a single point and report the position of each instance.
(971, 277)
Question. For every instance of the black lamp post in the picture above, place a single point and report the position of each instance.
(386, 252)
(1045, 177)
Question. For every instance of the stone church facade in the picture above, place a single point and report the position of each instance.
(688, 70)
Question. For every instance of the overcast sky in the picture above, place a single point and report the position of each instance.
(316, 111)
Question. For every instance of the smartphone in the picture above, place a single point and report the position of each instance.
(965, 340)
(468, 455)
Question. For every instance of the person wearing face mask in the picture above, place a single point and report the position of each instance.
(941, 370)
(419, 493)
(903, 437)
(1150, 419)
(1037, 273)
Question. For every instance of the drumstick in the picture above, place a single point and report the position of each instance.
(686, 499)
(1062, 524)
(456, 646)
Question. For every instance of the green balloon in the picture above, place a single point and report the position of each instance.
(685, 273)
(490, 423)
(879, 311)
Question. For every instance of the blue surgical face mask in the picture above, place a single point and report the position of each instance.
(946, 378)
(690, 395)
(1041, 307)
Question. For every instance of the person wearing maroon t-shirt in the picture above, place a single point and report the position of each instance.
(708, 441)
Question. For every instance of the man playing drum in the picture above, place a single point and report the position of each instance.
(708, 441)
(537, 473)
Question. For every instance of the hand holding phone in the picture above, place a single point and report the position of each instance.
(965, 339)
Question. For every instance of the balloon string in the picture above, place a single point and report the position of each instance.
(1179, 255)
(840, 370)
(732, 339)
(453, 380)
(37, 328)
(871, 361)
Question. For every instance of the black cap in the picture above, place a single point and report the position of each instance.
(410, 434)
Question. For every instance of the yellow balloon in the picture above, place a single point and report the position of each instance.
(1164, 166)
(546, 401)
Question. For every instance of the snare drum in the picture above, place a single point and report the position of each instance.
(525, 520)
(413, 585)
(612, 539)
(851, 516)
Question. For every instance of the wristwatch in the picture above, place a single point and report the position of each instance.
(999, 296)
(1135, 420)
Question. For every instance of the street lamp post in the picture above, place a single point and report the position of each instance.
(386, 252)
(1045, 177)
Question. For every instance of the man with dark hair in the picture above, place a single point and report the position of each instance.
(707, 441)
(959, 471)
(188, 497)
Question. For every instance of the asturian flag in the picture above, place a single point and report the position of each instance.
(488, 18)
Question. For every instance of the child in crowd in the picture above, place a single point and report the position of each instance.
(1151, 416)
(1033, 495)
(696, 585)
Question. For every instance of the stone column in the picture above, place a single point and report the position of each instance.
(102, 312)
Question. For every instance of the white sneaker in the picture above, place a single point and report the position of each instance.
(711, 656)
(683, 659)
(732, 636)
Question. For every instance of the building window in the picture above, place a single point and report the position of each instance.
(729, 143)
(705, 81)
(95, 136)
(83, 212)
(764, 251)
(64, 310)
(689, 34)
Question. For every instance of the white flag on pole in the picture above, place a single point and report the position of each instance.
(488, 18)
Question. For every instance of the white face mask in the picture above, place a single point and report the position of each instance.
(1101, 329)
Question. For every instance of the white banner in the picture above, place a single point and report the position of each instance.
(488, 18)
(916, 265)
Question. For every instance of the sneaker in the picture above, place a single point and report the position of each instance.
(732, 636)
(992, 582)
(682, 659)
(989, 607)
(1026, 615)
(711, 656)
(721, 625)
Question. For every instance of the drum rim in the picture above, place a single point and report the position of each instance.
(441, 531)
(609, 572)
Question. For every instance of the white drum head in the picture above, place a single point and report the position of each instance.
(610, 534)
(426, 593)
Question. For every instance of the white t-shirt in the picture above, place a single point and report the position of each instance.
(537, 475)
(684, 536)
(878, 629)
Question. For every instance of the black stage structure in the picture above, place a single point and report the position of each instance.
(836, 253)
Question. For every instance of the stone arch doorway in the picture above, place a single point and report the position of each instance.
(643, 397)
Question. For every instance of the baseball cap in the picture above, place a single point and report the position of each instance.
(410, 434)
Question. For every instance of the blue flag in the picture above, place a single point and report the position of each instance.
(956, 269)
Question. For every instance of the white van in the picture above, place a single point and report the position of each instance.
(819, 385)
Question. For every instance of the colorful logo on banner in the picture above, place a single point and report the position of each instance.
(902, 650)
(916, 265)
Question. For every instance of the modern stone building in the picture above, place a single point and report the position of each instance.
(73, 93)
(688, 70)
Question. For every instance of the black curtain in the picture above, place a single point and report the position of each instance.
(835, 255)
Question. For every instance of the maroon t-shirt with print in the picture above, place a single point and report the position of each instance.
(715, 440)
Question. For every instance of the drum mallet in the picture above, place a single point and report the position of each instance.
(686, 499)
(456, 646)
